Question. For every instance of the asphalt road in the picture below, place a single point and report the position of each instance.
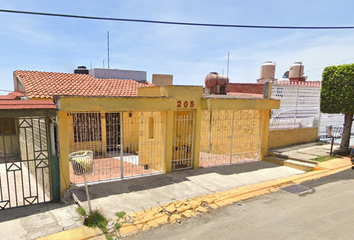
(326, 211)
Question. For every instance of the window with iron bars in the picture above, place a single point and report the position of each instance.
(7, 126)
(87, 127)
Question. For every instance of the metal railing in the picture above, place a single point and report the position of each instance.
(230, 136)
(299, 106)
(124, 144)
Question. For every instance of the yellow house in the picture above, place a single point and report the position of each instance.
(138, 129)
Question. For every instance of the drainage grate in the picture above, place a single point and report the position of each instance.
(297, 189)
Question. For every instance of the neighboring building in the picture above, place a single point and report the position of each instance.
(104, 73)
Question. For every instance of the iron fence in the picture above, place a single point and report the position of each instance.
(299, 105)
(230, 136)
(124, 144)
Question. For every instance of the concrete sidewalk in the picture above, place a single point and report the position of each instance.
(160, 199)
(38, 220)
(147, 192)
(306, 151)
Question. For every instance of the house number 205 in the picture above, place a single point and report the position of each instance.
(185, 104)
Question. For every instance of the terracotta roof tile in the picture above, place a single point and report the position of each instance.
(47, 84)
(12, 95)
(27, 104)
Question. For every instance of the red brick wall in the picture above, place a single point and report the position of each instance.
(245, 88)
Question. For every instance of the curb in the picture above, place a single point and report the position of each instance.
(78, 233)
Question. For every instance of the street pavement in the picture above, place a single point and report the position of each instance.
(325, 211)
(141, 194)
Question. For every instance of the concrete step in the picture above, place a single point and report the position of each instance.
(301, 165)
(278, 155)
(275, 160)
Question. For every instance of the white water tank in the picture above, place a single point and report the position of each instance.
(296, 70)
(267, 70)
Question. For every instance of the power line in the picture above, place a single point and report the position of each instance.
(4, 90)
(334, 63)
(179, 23)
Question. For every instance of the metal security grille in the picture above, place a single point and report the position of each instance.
(299, 105)
(183, 139)
(87, 127)
(229, 137)
(124, 144)
(24, 162)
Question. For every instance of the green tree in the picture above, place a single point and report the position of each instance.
(337, 96)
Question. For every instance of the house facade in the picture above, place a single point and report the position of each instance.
(138, 129)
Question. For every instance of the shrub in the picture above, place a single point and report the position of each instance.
(120, 214)
(97, 219)
(81, 211)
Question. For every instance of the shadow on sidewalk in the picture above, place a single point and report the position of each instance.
(105, 189)
(25, 211)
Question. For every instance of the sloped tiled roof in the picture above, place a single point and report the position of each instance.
(47, 84)
(12, 95)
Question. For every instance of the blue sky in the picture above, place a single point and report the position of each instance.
(56, 44)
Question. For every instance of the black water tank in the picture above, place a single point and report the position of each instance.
(81, 70)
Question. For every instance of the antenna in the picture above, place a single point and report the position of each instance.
(103, 63)
(108, 47)
(228, 63)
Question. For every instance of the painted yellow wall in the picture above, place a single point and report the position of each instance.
(187, 98)
(280, 138)
(164, 100)
(131, 132)
(151, 138)
(92, 104)
(64, 151)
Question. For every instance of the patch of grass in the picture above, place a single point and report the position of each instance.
(323, 158)
(81, 211)
(120, 214)
(117, 226)
(109, 237)
(97, 219)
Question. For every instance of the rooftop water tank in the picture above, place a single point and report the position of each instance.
(223, 80)
(211, 79)
(267, 70)
(81, 70)
(296, 70)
